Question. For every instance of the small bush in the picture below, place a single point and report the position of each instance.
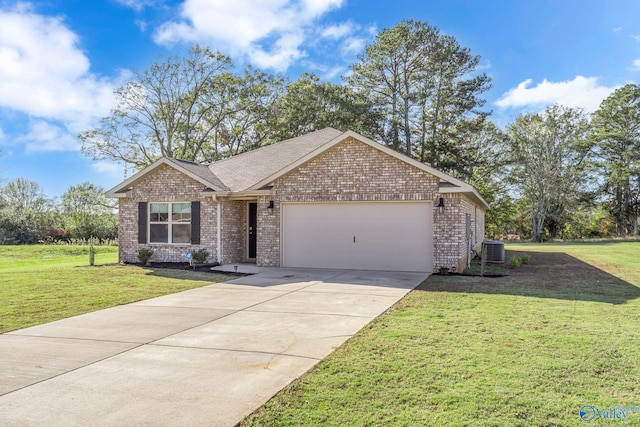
(514, 261)
(144, 255)
(525, 258)
(200, 256)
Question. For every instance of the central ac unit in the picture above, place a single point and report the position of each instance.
(495, 250)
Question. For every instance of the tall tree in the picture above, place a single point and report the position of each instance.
(450, 105)
(387, 74)
(422, 86)
(247, 126)
(87, 198)
(485, 168)
(90, 214)
(310, 104)
(23, 195)
(547, 152)
(25, 212)
(170, 110)
(616, 133)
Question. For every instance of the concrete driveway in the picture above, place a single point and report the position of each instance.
(203, 357)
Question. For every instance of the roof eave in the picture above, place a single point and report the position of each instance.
(127, 183)
(461, 186)
(467, 190)
(236, 195)
(123, 194)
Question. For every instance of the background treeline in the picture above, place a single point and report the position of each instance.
(82, 215)
(557, 173)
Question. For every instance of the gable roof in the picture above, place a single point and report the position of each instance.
(198, 172)
(202, 171)
(243, 171)
(452, 185)
(253, 170)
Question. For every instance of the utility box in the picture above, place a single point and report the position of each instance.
(495, 250)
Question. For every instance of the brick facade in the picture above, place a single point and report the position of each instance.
(348, 172)
(450, 232)
(165, 184)
(353, 171)
(234, 231)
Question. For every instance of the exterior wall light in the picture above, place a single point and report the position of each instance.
(441, 205)
(270, 206)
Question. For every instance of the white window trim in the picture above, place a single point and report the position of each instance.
(169, 224)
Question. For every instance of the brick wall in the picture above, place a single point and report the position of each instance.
(165, 184)
(349, 171)
(268, 239)
(234, 231)
(353, 171)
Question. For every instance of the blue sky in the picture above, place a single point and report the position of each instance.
(61, 59)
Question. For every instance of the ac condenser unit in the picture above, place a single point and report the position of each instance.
(495, 250)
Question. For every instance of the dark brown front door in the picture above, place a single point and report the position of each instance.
(253, 223)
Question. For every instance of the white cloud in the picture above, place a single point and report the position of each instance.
(635, 65)
(45, 136)
(582, 92)
(45, 75)
(353, 45)
(484, 66)
(271, 32)
(142, 25)
(113, 170)
(137, 5)
(325, 72)
(636, 38)
(339, 31)
(334, 72)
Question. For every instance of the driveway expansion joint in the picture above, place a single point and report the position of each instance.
(217, 366)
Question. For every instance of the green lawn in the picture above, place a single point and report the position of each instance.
(529, 349)
(621, 259)
(40, 284)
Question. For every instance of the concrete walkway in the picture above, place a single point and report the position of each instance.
(203, 357)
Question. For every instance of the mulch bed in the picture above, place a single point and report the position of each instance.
(202, 268)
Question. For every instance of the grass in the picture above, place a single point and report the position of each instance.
(615, 257)
(28, 257)
(40, 284)
(528, 349)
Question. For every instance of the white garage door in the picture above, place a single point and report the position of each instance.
(368, 236)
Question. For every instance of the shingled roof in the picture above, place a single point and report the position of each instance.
(244, 170)
(254, 169)
(203, 171)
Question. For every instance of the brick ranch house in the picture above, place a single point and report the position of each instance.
(328, 199)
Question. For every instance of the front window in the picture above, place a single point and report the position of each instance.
(170, 222)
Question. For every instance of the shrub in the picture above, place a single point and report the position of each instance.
(144, 255)
(514, 261)
(200, 256)
(525, 258)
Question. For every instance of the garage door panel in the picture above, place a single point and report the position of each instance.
(388, 235)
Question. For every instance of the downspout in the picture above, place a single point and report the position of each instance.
(218, 231)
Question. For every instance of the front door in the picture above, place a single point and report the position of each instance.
(253, 223)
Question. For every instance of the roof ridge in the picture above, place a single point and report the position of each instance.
(284, 141)
(193, 162)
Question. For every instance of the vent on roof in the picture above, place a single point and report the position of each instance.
(495, 250)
